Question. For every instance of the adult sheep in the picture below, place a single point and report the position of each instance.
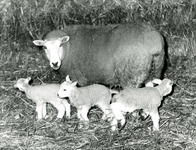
(125, 55)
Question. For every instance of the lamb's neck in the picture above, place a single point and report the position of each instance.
(160, 89)
(74, 95)
(27, 91)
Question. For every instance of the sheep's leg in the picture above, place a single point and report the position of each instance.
(39, 110)
(116, 109)
(67, 108)
(155, 119)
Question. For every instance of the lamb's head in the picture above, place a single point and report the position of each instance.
(165, 87)
(22, 83)
(66, 88)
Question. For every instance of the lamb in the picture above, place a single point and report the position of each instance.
(41, 94)
(147, 98)
(83, 98)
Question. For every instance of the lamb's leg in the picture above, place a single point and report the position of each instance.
(61, 110)
(116, 109)
(39, 110)
(44, 110)
(107, 111)
(67, 107)
(144, 114)
(114, 124)
(155, 119)
(84, 112)
(79, 114)
(57, 103)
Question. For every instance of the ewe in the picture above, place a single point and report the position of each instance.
(147, 98)
(41, 94)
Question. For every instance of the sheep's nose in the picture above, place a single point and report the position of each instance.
(55, 64)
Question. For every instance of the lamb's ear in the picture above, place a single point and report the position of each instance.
(15, 86)
(27, 79)
(149, 84)
(67, 78)
(171, 83)
(65, 39)
(39, 42)
(156, 81)
(74, 83)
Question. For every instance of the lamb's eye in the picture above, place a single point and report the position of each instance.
(64, 89)
(170, 83)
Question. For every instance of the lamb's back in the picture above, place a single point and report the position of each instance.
(43, 92)
(138, 97)
(93, 93)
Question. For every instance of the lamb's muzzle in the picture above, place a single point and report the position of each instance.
(147, 98)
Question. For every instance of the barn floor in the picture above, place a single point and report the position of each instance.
(20, 130)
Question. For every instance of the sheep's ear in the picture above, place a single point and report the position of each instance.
(65, 39)
(74, 83)
(67, 78)
(39, 42)
(27, 79)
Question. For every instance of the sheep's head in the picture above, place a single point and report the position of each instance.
(166, 86)
(22, 83)
(66, 88)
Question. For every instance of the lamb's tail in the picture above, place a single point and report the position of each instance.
(114, 98)
(113, 91)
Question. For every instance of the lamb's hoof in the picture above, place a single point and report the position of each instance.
(156, 135)
(114, 132)
(57, 120)
(121, 126)
(39, 120)
(83, 125)
(143, 115)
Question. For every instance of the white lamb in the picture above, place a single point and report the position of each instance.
(41, 94)
(147, 98)
(83, 98)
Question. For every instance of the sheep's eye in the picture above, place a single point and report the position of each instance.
(64, 89)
